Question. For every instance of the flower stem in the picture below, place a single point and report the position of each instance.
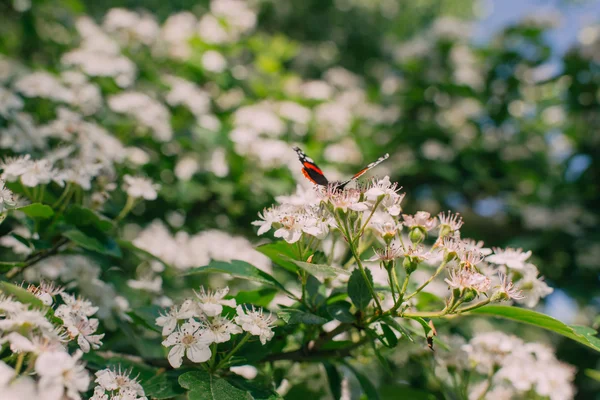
(232, 352)
(365, 277)
(428, 281)
(473, 307)
(19, 364)
(361, 231)
(128, 206)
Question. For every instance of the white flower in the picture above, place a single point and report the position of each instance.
(190, 339)
(31, 318)
(169, 320)
(148, 112)
(255, 322)
(147, 282)
(449, 221)
(467, 278)
(75, 307)
(119, 381)
(507, 289)
(533, 287)
(391, 199)
(14, 167)
(345, 199)
(471, 244)
(83, 330)
(211, 303)
(421, 219)
(16, 388)
(61, 375)
(268, 217)
(45, 291)
(469, 258)
(388, 253)
(7, 198)
(512, 258)
(214, 61)
(139, 187)
(221, 329)
(39, 172)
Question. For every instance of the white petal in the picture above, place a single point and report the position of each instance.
(176, 355)
(198, 353)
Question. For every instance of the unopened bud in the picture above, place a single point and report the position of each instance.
(417, 235)
(409, 265)
(469, 295)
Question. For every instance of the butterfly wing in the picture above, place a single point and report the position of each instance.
(365, 170)
(310, 170)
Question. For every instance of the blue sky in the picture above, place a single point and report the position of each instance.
(574, 14)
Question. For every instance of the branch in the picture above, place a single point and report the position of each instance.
(36, 257)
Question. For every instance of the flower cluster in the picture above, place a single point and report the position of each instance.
(192, 328)
(373, 213)
(34, 336)
(508, 367)
(115, 384)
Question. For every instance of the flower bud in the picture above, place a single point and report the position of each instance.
(469, 295)
(417, 235)
(410, 265)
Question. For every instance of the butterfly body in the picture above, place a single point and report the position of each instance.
(314, 174)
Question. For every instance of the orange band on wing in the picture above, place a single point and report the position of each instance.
(313, 167)
(305, 173)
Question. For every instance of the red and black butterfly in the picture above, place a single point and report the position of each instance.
(314, 174)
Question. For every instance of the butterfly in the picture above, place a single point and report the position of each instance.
(314, 174)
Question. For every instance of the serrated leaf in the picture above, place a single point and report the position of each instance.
(99, 243)
(303, 317)
(341, 311)
(281, 253)
(321, 270)
(36, 210)
(81, 216)
(261, 297)
(581, 334)
(238, 269)
(358, 289)
(203, 386)
(162, 386)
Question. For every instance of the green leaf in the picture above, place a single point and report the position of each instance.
(99, 243)
(303, 317)
(281, 253)
(130, 246)
(358, 289)
(146, 316)
(81, 216)
(20, 294)
(394, 392)
(321, 270)
(365, 383)
(592, 373)
(162, 386)
(581, 334)
(261, 297)
(36, 210)
(6, 266)
(391, 340)
(396, 325)
(238, 269)
(334, 379)
(203, 386)
(341, 312)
